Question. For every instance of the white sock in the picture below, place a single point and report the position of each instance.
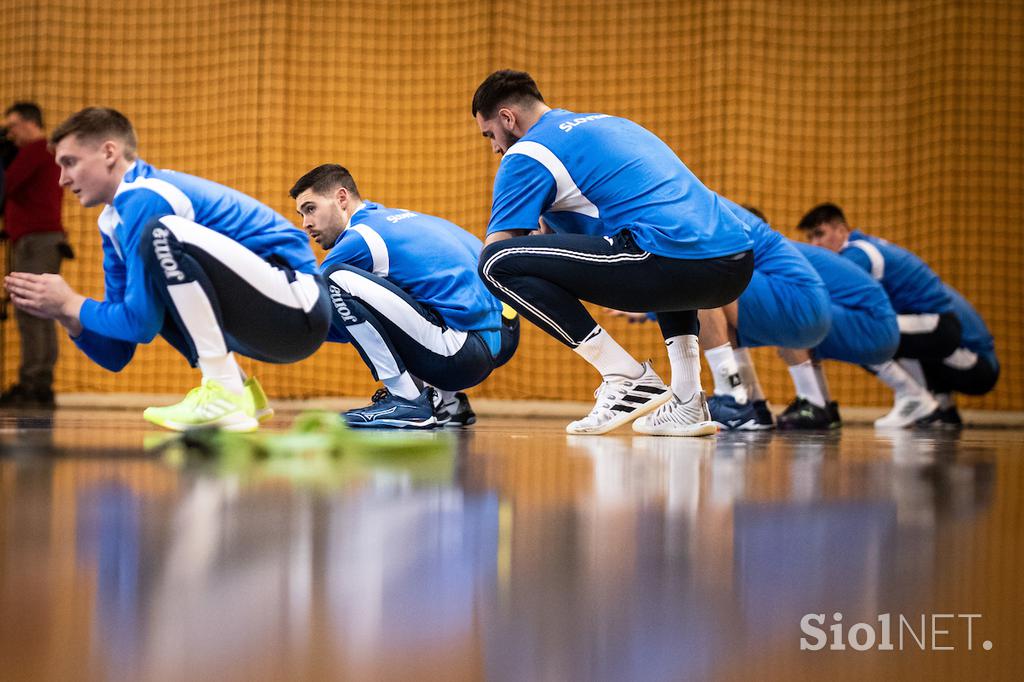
(806, 383)
(897, 378)
(748, 374)
(402, 386)
(225, 370)
(684, 358)
(819, 373)
(446, 396)
(607, 356)
(945, 400)
(914, 369)
(726, 372)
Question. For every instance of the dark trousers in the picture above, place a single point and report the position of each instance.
(545, 278)
(963, 372)
(221, 297)
(37, 253)
(395, 333)
(928, 343)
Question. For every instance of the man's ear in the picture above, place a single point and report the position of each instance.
(507, 118)
(342, 196)
(110, 152)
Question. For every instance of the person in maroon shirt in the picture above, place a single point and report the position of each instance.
(32, 221)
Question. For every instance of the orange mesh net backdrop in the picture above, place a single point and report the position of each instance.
(909, 114)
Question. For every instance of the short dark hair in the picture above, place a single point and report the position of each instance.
(756, 211)
(28, 111)
(820, 215)
(325, 179)
(98, 124)
(505, 87)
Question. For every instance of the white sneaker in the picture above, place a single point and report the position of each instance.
(908, 409)
(676, 418)
(621, 401)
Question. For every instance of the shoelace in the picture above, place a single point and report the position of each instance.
(604, 399)
(379, 395)
(210, 403)
(193, 398)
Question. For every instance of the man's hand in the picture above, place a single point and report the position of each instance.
(631, 317)
(46, 296)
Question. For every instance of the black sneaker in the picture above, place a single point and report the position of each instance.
(948, 418)
(765, 419)
(22, 397)
(455, 412)
(832, 409)
(804, 415)
(15, 396)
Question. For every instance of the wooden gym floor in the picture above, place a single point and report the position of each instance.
(514, 552)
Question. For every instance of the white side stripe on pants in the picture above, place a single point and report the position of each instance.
(534, 250)
(197, 314)
(376, 349)
(268, 280)
(962, 359)
(396, 309)
(917, 324)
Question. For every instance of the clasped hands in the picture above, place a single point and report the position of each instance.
(47, 296)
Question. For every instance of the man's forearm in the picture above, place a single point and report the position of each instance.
(503, 235)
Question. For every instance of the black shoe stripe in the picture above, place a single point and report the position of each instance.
(622, 408)
(649, 389)
(636, 399)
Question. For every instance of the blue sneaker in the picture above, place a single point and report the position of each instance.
(731, 416)
(388, 411)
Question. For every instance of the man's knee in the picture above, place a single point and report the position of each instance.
(494, 263)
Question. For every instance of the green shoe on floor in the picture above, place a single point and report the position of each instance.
(209, 404)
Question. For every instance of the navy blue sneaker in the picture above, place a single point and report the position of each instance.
(802, 414)
(388, 411)
(731, 416)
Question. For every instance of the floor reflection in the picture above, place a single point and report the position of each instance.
(531, 556)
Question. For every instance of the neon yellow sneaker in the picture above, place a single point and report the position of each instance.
(209, 404)
(261, 405)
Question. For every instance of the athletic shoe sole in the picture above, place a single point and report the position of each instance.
(689, 430)
(394, 424)
(749, 425)
(795, 427)
(235, 425)
(451, 423)
(624, 418)
(924, 410)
